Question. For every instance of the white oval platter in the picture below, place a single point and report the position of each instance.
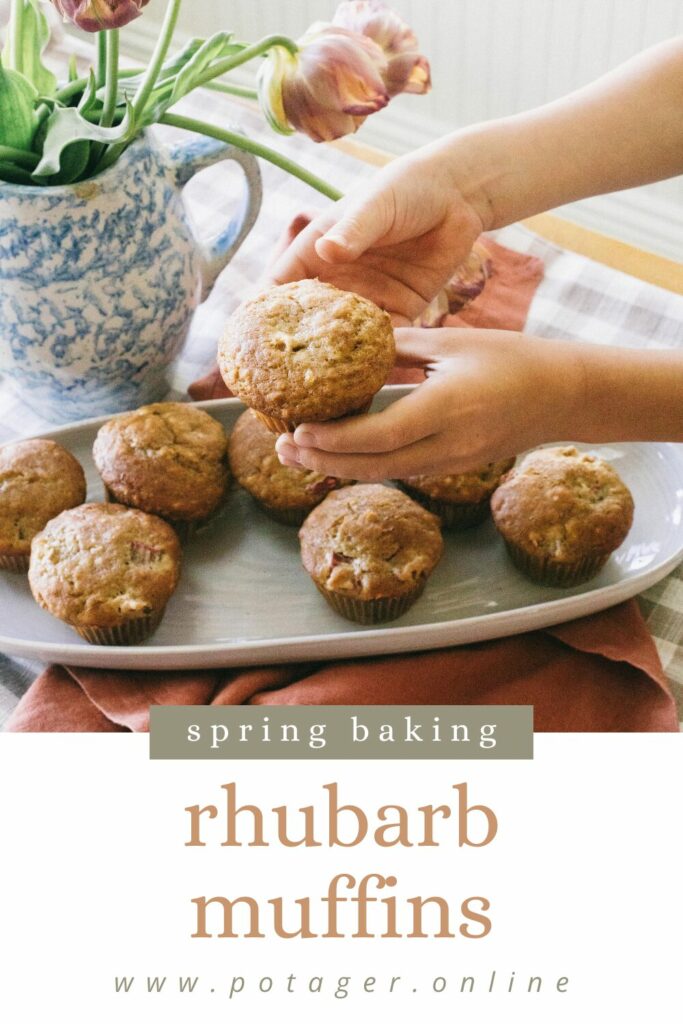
(244, 597)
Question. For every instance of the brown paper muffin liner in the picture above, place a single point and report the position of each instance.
(132, 632)
(184, 528)
(14, 563)
(453, 515)
(373, 612)
(555, 574)
(286, 516)
(279, 426)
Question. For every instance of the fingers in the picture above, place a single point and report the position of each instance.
(403, 422)
(424, 456)
(422, 346)
(362, 224)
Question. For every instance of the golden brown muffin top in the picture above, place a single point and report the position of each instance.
(370, 541)
(169, 459)
(256, 467)
(104, 564)
(306, 351)
(563, 504)
(38, 479)
(462, 488)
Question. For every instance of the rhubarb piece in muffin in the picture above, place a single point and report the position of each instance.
(306, 352)
(370, 549)
(459, 499)
(38, 480)
(169, 459)
(287, 495)
(106, 570)
(562, 513)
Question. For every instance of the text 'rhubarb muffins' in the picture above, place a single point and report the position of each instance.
(306, 352)
(370, 549)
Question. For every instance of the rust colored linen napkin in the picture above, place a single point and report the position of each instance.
(599, 673)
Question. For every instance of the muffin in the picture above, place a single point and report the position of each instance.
(286, 495)
(369, 549)
(106, 570)
(38, 480)
(169, 459)
(459, 499)
(562, 513)
(306, 352)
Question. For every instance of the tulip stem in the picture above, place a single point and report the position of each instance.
(232, 90)
(111, 79)
(257, 148)
(101, 76)
(221, 67)
(160, 50)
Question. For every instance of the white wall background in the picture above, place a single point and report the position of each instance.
(490, 58)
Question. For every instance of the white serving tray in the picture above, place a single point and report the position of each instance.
(244, 597)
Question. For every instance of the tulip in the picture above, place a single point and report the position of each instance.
(328, 87)
(468, 282)
(407, 70)
(96, 15)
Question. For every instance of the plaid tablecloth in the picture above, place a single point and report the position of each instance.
(578, 298)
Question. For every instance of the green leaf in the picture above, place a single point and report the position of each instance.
(219, 45)
(35, 35)
(15, 175)
(66, 126)
(89, 98)
(72, 164)
(17, 99)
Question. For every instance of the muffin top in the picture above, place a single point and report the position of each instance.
(370, 541)
(563, 504)
(38, 479)
(169, 459)
(256, 467)
(306, 351)
(462, 488)
(104, 564)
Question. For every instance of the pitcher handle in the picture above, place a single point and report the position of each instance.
(187, 159)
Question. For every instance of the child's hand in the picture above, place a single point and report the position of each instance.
(396, 240)
(489, 395)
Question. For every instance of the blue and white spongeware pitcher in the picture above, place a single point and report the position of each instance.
(99, 280)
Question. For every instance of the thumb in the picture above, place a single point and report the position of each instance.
(361, 225)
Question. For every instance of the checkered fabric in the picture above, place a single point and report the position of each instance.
(578, 298)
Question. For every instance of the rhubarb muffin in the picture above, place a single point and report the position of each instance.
(370, 549)
(459, 499)
(169, 459)
(106, 570)
(306, 352)
(287, 495)
(38, 480)
(562, 513)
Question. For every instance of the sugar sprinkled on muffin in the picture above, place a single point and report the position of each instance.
(460, 500)
(106, 570)
(370, 549)
(562, 513)
(38, 480)
(168, 459)
(306, 352)
(286, 494)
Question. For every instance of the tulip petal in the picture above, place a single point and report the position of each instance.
(408, 72)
